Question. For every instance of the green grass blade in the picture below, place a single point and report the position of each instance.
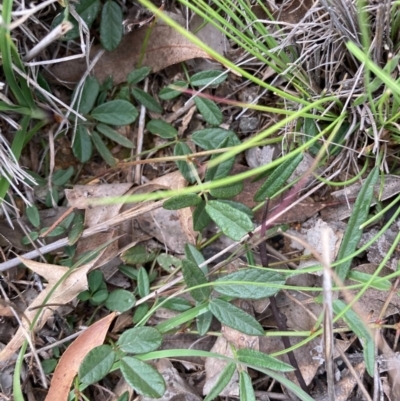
(359, 215)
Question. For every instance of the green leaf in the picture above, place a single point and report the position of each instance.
(222, 381)
(176, 304)
(142, 377)
(82, 146)
(209, 110)
(49, 365)
(96, 364)
(87, 10)
(57, 231)
(168, 93)
(114, 136)
(311, 130)
(95, 279)
(146, 100)
(223, 169)
(358, 216)
(76, 229)
(137, 255)
(233, 223)
(277, 179)
(103, 150)
(120, 301)
(203, 323)
(181, 149)
(239, 206)
(364, 335)
(227, 191)
(99, 297)
(140, 313)
(234, 317)
(181, 201)
(32, 236)
(33, 215)
(162, 129)
(111, 25)
(193, 276)
(246, 389)
(249, 291)
(213, 138)
(138, 75)
(89, 94)
(140, 340)
(52, 197)
(201, 218)
(194, 255)
(61, 177)
(115, 112)
(361, 277)
(203, 78)
(257, 358)
(143, 284)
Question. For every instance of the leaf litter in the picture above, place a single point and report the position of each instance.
(175, 229)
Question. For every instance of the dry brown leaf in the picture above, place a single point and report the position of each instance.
(165, 47)
(66, 291)
(170, 227)
(80, 197)
(72, 358)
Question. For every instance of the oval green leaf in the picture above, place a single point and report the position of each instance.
(200, 217)
(82, 146)
(143, 284)
(120, 300)
(277, 179)
(233, 223)
(103, 150)
(246, 389)
(234, 317)
(115, 112)
(169, 93)
(140, 340)
(181, 201)
(243, 287)
(213, 138)
(147, 100)
(193, 277)
(181, 149)
(162, 129)
(114, 136)
(142, 377)
(33, 215)
(96, 364)
(257, 358)
(227, 191)
(209, 110)
(212, 77)
(138, 75)
(111, 25)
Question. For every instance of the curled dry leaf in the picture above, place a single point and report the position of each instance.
(165, 47)
(65, 292)
(70, 361)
